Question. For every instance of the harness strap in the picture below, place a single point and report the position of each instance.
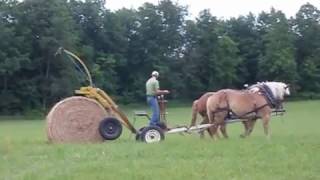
(243, 115)
(227, 108)
(268, 95)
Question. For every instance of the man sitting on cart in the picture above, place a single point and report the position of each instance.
(152, 91)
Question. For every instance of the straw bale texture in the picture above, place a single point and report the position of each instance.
(75, 120)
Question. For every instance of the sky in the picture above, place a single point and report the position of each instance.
(224, 8)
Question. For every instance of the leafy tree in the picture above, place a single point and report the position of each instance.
(211, 58)
(155, 44)
(243, 30)
(51, 26)
(307, 29)
(277, 61)
(201, 44)
(225, 66)
(14, 55)
(121, 48)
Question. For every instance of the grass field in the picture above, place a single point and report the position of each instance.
(292, 153)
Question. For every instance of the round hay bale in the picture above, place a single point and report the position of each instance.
(75, 120)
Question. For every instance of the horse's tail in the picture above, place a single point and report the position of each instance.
(216, 103)
(211, 106)
(194, 112)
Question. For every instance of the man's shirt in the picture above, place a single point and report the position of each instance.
(152, 85)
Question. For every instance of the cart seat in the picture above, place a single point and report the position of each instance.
(140, 113)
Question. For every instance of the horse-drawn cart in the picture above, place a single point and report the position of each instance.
(109, 127)
(151, 134)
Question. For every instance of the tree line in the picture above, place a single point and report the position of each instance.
(122, 48)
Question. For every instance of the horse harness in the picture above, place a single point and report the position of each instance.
(267, 94)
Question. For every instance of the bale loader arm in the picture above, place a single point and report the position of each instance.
(105, 100)
(97, 94)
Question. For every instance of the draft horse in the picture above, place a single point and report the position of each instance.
(249, 105)
(199, 106)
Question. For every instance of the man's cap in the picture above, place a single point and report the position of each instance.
(155, 73)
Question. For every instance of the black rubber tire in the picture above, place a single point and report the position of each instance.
(110, 128)
(138, 137)
(152, 134)
(138, 134)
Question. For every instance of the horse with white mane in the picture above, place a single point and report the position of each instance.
(276, 94)
(255, 103)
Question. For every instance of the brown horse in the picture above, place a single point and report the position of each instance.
(199, 106)
(246, 105)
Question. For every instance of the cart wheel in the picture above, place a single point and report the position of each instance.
(110, 128)
(152, 134)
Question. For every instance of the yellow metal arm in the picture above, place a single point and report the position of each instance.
(107, 103)
(89, 78)
(99, 95)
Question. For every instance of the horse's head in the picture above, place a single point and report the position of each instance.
(279, 89)
(287, 90)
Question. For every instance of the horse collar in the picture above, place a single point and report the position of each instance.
(269, 96)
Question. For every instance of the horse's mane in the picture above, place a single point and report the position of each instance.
(277, 88)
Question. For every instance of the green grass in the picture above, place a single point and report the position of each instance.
(292, 153)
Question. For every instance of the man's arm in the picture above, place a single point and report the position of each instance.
(160, 92)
